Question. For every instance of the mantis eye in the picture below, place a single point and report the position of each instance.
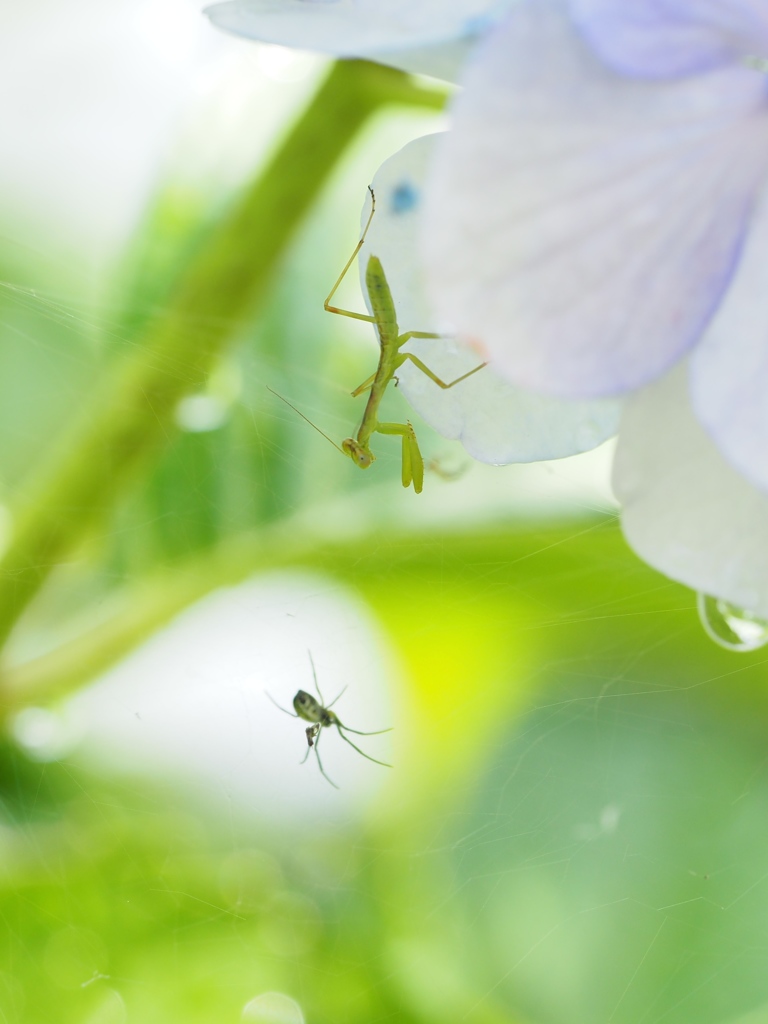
(361, 456)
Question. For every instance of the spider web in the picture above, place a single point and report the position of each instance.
(575, 824)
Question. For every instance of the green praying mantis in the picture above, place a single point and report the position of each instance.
(391, 358)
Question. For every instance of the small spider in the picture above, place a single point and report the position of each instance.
(321, 716)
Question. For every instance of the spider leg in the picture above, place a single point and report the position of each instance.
(314, 676)
(285, 710)
(336, 698)
(366, 756)
(357, 732)
(320, 764)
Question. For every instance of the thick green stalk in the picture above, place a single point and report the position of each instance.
(145, 606)
(132, 413)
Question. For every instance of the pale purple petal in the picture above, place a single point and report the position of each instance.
(495, 421)
(665, 38)
(356, 28)
(582, 226)
(729, 368)
(685, 509)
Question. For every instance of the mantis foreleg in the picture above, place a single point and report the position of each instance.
(413, 463)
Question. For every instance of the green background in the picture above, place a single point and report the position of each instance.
(576, 829)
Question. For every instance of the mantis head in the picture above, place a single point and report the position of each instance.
(360, 454)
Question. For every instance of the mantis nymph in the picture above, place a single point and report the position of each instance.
(384, 319)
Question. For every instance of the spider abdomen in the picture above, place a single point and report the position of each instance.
(306, 707)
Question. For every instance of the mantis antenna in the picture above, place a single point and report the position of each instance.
(306, 418)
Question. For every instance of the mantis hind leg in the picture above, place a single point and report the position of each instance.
(423, 367)
(413, 463)
(346, 312)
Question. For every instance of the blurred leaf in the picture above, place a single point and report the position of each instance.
(227, 273)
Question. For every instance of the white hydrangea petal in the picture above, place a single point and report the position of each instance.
(685, 509)
(583, 226)
(672, 37)
(496, 422)
(729, 368)
(356, 28)
(442, 60)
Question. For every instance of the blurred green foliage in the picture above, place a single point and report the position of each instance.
(579, 831)
(578, 825)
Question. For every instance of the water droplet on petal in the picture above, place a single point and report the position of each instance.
(731, 627)
(272, 1008)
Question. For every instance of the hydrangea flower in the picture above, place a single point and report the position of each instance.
(428, 36)
(596, 222)
(496, 421)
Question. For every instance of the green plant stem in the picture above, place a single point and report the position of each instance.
(132, 414)
(141, 609)
(360, 560)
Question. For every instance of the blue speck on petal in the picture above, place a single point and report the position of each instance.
(404, 198)
(481, 23)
